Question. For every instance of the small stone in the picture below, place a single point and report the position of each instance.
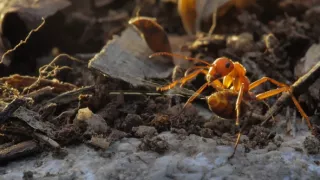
(143, 131)
(130, 121)
(60, 153)
(277, 140)
(85, 118)
(99, 142)
(116, 135)
(27, 175)
(155, 144)
(206, 132)
(179, 131)
(271, 146)
(311, 144)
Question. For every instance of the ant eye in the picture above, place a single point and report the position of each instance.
(227, 64)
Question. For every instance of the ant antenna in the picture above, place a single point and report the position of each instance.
(179, 56)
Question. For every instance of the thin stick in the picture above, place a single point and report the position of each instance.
(297, 88)
(22, 41)
(214, 22)
(47, 140)
(70, 96)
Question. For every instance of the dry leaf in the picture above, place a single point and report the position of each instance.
(153, 34)
(127, 58)
(33, 120)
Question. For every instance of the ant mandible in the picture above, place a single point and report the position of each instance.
(235, 84)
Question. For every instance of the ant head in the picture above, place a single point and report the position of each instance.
(221, 67)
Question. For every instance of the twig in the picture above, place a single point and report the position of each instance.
(297, 88)
(70, 96)
(255, 116)
(145, 93)
(11, 108)
(45, 68)
(18, 81)
(22, 41)
(33, 120)
(18, 150)
(40, 92)
(47, 140)
(65, 115)
(214, 22)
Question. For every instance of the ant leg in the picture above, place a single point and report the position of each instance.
(193, 97)
(285, 88)
(235, 145)
(193, 68)
(215, 84)
(270, 93)
(238, 103)
(182, 80)
(238, 140)
(196, 94)
(205, 72)
(265, 79)
(295, 101)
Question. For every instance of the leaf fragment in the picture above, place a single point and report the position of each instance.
(153, 34)
(126, 57)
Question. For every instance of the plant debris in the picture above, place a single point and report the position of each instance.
(136, 67)
(17, 151)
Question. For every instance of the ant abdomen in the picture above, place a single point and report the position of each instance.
(223, 104)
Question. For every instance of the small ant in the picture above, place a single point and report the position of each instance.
(235, 84)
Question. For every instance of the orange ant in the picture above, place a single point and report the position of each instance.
(235, 84)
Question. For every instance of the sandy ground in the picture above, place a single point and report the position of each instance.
(189, 158)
